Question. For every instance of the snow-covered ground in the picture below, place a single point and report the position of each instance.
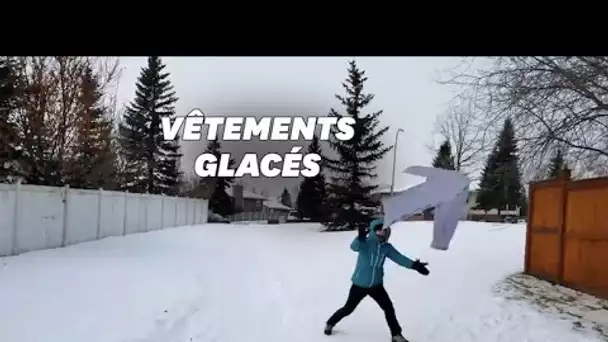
(267, 283)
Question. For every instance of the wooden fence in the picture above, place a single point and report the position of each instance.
(567, 235)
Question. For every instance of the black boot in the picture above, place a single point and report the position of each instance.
(328, 329)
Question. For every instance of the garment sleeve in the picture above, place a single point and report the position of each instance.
(355, 245)
(358, 245)
(399, 258)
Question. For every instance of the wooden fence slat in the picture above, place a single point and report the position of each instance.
(564, 180)
(529, 228)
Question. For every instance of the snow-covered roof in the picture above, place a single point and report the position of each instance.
(246, 194)
(271, 203)
(384, 191)
(268, 202)
(387, 190)
(251, 195)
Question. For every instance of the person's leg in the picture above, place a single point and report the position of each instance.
(355, 296)
(381, 297)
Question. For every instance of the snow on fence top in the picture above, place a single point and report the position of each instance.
(34, 217)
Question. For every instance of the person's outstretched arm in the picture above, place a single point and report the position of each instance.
(406, 262)
(399, 258)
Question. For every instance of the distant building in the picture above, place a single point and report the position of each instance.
(245, 201)
(382, 192)
(276, 208)
(248, 202)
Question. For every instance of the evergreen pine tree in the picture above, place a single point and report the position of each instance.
(486, 194)
(286, 198)
(220, 202)
(509, 189)
(523, 210)
(500, 185)
(355, 169)
(10, 151)
(312, 199)
(444, 158)
(92, 165)
(556, 164)
(119, 156)
(152, 164)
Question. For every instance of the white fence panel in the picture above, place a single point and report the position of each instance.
(138, 214)
(112, 214)
(39, 217)
(142, 214)
(132, 211)
(82, 209)
(7, 220)
(189, 212)
(196, 212)
(169, 212)
(181, 212)
(154, 213)
(205, 213)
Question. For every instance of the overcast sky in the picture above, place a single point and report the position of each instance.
(405, 88)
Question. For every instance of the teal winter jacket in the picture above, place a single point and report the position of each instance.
(369, 271)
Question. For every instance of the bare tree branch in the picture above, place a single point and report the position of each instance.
(552, 101)
(467, 134)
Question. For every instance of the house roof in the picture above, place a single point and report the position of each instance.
(251, 195)
(271, 203)
(268, 202)
(246, 194)
(387, 190)
(384, 191)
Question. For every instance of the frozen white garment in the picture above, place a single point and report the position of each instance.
(446, 190)
(447, 216)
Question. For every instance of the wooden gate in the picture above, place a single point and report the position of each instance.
(567, 236)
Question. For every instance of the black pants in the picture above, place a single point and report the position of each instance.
(379, 294)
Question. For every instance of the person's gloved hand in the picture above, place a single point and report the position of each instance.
(420, 267)
(362, 234)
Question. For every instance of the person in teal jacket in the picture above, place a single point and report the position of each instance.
(368, 276)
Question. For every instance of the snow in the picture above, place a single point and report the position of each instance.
(598, 316)
(267, 283)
